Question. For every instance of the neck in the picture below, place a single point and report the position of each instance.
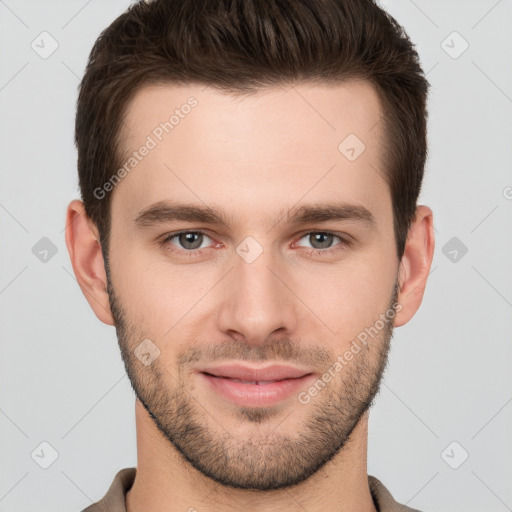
(165, 481)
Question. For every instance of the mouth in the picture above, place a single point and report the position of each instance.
(255, 387)
(257, 382)
(251, 374)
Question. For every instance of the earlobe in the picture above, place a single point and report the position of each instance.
(82, 241)
(415, 264)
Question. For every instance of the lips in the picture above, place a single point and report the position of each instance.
(253, 375)
(255, 387)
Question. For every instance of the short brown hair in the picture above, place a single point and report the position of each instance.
(242, 46)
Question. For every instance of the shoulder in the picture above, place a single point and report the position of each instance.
(114, 499)
(384, 501)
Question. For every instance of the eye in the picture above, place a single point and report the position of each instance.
(322, 241)
(186, 241)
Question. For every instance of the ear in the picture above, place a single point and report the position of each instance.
(415, 264)
(84, 249)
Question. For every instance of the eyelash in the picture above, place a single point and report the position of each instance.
(344, 242)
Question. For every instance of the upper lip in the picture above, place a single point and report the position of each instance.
(243, 372)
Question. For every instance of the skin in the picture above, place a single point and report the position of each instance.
(254, 156)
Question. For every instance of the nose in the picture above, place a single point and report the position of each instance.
(256, 301)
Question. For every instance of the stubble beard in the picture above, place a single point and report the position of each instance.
(269, 459)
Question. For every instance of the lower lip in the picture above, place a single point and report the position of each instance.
(256, 395)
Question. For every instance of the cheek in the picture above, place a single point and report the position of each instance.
(351, 296)
(164, 297)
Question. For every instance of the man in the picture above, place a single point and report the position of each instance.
(249, 174)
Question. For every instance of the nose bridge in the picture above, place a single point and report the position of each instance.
(255, 301)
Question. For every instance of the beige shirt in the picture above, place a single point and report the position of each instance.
(114, 499)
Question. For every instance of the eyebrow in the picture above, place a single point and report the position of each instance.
(166, 211)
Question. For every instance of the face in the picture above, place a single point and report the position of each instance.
(252, 273)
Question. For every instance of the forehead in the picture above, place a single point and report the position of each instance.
(263, 150)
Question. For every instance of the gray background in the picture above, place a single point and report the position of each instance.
(62, 380)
